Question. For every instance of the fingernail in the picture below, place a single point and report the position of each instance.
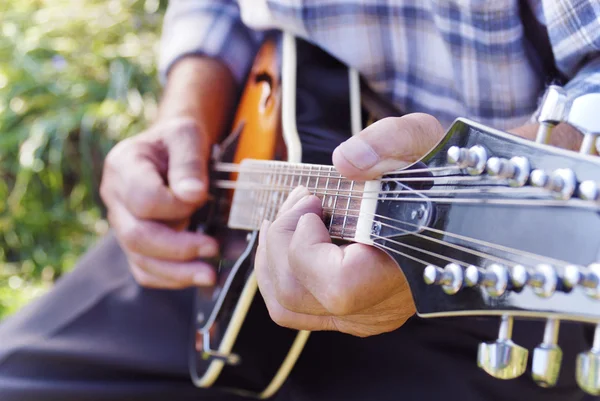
(359, 153)
(203, 279)
(188, 188)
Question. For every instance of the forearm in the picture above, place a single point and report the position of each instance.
(201, 88)
(563, 135)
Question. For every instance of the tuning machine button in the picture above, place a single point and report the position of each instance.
(450, 277)
(516, 170)
(473, 159)
(588, 190)
(578, 276)
(562, 182)
(494, 279)
(552, 111)
(588, 367)
(544, 280)
(547, 357)
(583, 116)
(503, 359)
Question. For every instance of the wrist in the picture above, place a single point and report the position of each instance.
(201, 89)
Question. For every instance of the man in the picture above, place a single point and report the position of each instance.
(101, 336)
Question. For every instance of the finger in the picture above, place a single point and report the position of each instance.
(387, 145)
(146, 196)
(277, 312)
(343, 280)
(188, 150)
(287, 289)
(298, 193)
(157, 240)
(146, 280)
(176, 275)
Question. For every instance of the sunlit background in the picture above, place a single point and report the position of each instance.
(75, 77)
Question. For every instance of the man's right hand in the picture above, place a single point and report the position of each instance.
(152, 183)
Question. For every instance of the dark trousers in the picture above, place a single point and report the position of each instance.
(99, 336)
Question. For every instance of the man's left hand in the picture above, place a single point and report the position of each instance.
(308, 282)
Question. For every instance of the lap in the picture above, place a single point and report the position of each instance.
(99, 336)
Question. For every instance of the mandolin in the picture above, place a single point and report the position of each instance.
(485, 224)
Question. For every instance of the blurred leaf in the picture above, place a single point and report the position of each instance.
(75, 77)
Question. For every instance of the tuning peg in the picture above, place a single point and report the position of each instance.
(562, 182)
(588, 367)
(494, 279)
(473, 159)
(552, 112)
(583, 115)
(503, 359)
(547, 357)
(516, 170)
(574, 276)
(588, 190)
(450, 277)
(544, 280)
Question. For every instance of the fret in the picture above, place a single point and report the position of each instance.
(337, 193)
(308, 177)
(286, 187)
(347, 208)
(275, 194)
(317, 184)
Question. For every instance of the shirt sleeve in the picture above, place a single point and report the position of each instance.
(574, 32)
(211, 28)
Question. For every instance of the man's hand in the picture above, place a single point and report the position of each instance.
(152, 183)
(309, 283)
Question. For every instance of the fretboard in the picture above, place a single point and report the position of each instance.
(263, 186)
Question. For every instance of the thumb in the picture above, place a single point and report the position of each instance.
(387, 145)
(188, 159)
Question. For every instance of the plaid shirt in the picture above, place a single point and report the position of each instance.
(449, 58)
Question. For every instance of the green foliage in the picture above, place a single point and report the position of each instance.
(75, 77)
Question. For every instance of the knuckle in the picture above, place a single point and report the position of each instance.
(132, 236)
(141, 202)
(279, 315)
(338, 301)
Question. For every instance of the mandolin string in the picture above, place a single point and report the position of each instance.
(462, 248)
(327, 191)
(335, 175)
(345, 214)
(513, 202)
(238, 168)
(496, 189)
(473, 240)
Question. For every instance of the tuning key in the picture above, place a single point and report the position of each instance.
(588, 367)
(473, 159)
(494, 279)
(562, 182)
(590, 280)
(588, 190)
(516, 170)
(583, 116)
(552, 112)
(547, 357)
(503, 359)
(544, 280)
(450, 277)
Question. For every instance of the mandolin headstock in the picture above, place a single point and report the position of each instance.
(508, 227)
